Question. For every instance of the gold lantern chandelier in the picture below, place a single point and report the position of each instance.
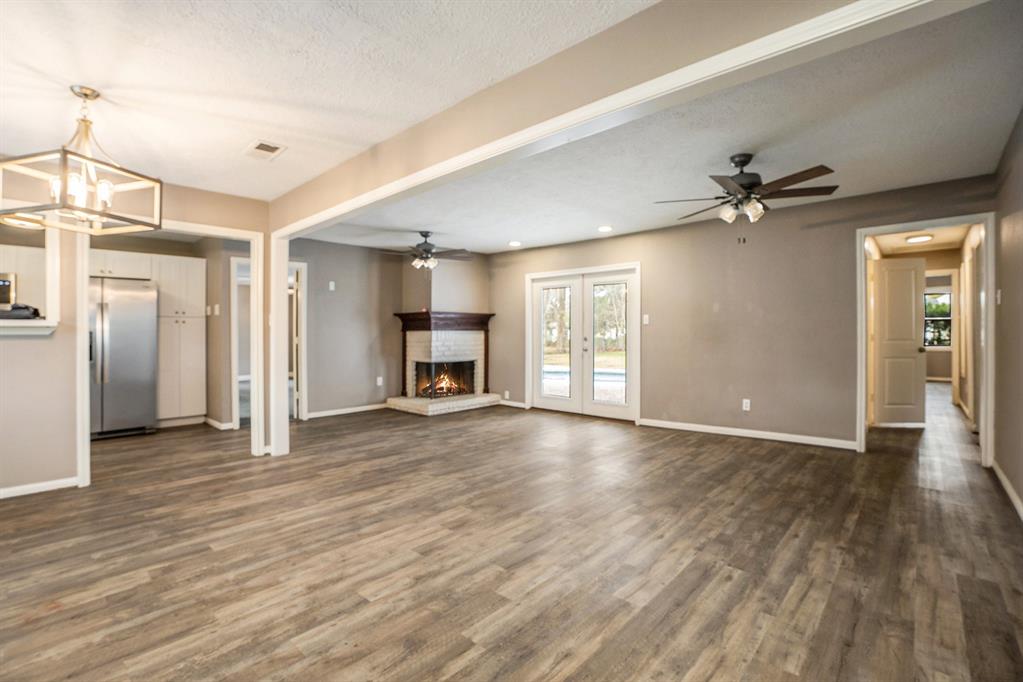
(78, 187)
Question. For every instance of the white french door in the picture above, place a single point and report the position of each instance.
(585, 345)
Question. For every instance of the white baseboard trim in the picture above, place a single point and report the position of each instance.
(219, 426)
(180, 421)
(947, 380)
(345, 410)
(1010, 491)
(512, 403)
(750, 433)
(900, 425)
(41, 487)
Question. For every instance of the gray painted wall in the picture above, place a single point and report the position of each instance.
(773, 320)
(218, 254)
(353, 336)
(462, 286)
(1009, 335)
(37, 393)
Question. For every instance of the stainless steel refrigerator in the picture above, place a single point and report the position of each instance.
(122, 355)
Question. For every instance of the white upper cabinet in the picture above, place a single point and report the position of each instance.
(123, 264)
(181, 281)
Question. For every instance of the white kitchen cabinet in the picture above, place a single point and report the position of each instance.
(124, 264)
(181, 378)
(192, 332)
(168, 375)
(181, 281)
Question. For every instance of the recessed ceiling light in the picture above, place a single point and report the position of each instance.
(514, 244)
(919, 238)
(604, 228)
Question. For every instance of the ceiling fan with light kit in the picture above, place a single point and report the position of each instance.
(745, 191)
(426, 254)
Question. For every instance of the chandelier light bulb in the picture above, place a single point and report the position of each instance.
(77, 190)
(104, 194)
(418, 263)
(431, 263)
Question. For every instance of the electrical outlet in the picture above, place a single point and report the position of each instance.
(380, 381)
(209, 311)
(507, 395)
(216, 309)
(745, 404)
(330, 285)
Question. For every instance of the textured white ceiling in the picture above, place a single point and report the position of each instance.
(933, 103)
(943, 238)
(189, 84)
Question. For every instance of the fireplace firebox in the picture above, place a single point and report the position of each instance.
(445, 379)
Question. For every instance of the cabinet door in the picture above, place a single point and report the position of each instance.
(167, 275)
(193, 282)
(128, 264)
(168, 377)
(192, 331)
(97, 263)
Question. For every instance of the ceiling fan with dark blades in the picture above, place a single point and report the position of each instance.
(426, 254)
(744, 192)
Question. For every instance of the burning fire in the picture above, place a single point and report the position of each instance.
(443, 385)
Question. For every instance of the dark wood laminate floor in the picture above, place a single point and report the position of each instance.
(510, 545)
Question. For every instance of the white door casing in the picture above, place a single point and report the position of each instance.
(572, 380)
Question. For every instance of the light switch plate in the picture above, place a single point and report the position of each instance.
(216, 309)
(380, 381)
(646, 319)
(745, 404)
(330, 285)
(209, 311)
(507, 395)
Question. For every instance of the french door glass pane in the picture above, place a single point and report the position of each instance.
(609, 342)
(557, 341)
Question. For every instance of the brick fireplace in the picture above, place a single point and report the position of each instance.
(444, 362)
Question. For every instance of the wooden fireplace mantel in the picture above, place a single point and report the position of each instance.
(434, 320)
(430, 320)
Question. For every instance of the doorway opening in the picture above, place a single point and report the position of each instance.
(240, 366)
(583, 341)
(925, 324)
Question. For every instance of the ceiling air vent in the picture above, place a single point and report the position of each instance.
(267, 151)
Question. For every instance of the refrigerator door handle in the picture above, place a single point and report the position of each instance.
(106, 342)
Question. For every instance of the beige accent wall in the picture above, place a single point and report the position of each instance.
(945, 259)
(353, 336)
(773, 320)
(651, 43)
(37, 394)
(1009, 334)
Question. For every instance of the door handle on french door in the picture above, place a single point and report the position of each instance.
(106, 343)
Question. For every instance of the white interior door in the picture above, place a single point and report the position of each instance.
(902, 361)
(586, 344)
